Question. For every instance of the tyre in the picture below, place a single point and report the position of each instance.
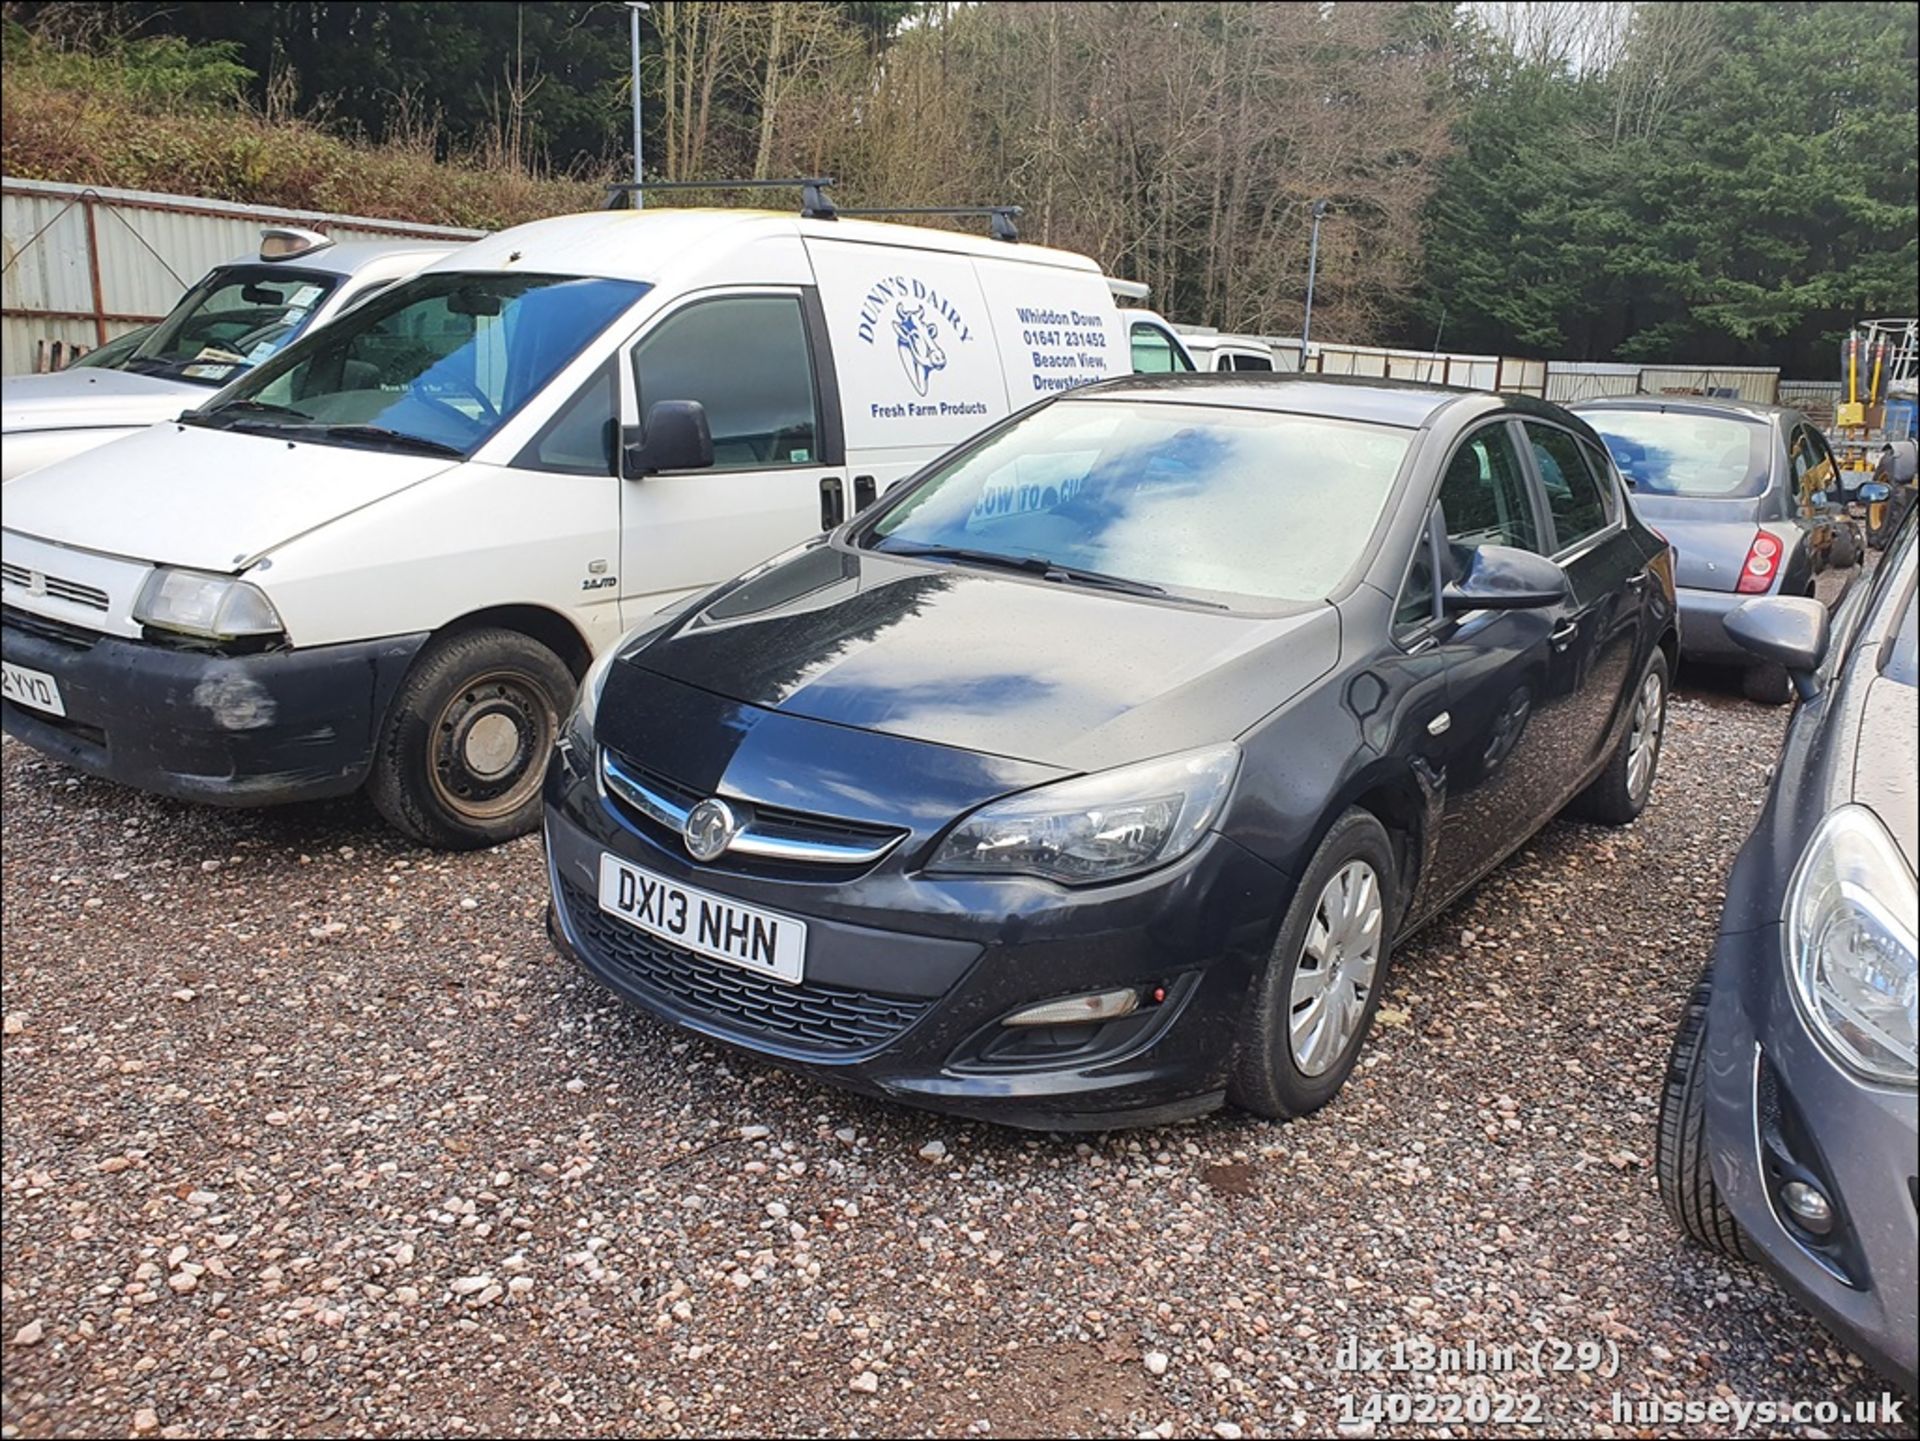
(1622, 790)
(1843, 553)
(1767, 683)
(1680, 1158)
(1312, 1006)
(461, 755)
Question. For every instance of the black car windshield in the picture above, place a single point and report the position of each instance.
(1702, 457)
(438, 363)
(1233, 504)
(232, 320)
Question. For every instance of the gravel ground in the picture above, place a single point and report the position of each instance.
(307, 1132)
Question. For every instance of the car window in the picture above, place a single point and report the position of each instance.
(1418, 596)
(1813, 469)
(1154, 351)
(745, 358)
(1193, 498)
(1483, 497)
(1705, 457)
(580, 438)
(1575, 497)
(1252, 362)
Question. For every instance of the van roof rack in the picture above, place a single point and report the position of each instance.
(814, 204)
(1002, 216)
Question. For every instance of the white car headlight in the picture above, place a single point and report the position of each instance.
(1099, 827)
(1850, 927)
(194, 602)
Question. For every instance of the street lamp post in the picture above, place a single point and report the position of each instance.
(634, 7)
(1313, 262)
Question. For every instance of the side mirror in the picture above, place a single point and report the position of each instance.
(1874, 492)
(1505, 578)
(1818, 500)
(1788, 629)
(675, 438)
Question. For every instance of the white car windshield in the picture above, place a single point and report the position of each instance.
(230, 321)
(1205, 500)
(438, 363)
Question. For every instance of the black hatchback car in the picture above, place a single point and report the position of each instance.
(1088, 777)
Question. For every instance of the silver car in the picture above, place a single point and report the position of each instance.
(1748, 496)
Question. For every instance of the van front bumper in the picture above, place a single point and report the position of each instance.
(242, 730)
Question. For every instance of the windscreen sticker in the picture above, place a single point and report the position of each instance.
(302, 300)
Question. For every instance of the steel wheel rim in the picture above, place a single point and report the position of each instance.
(489, 744)
(1643, 741)
(1333, 977)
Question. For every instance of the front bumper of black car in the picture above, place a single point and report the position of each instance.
(907, 1001)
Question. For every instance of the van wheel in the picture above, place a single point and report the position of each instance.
(466, 742)
(1621, 791)
(1680, 1158)
(1313, 1005)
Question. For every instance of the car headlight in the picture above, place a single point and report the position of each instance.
(1099, 827)
(578, 731)
(195, 602)
(1850, 926)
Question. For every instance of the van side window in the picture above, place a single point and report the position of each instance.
(1252, 362)
(1154, 352)
(580, 438)
(1576, 500)
(745, 358)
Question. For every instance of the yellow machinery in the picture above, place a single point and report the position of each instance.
(1881, 353)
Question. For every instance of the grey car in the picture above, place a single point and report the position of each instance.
(1746, 494)
(1788, 1121)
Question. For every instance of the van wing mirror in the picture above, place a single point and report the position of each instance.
(1504, 577)
(676, 437)
(1789, 629)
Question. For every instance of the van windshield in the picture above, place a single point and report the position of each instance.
(233, 319)
(437, 364)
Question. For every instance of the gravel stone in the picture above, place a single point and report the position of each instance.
(360, 1127)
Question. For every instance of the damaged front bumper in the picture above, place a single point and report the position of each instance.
(231, 730)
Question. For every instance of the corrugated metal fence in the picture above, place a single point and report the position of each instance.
(82, 265)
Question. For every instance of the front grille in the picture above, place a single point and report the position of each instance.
(57, 631)
(71, 591)
(791, 839)
(829, 1020)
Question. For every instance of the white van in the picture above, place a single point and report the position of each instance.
(1216, 350)
(238, 315)
(386, 555)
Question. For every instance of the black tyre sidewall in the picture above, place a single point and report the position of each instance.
(400, 785)
(1266, 1080)
(1767, 684)
(1681, 1160)
(1610, 800)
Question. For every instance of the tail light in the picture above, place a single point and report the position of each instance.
(1763, 559)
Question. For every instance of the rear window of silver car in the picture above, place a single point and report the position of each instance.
(1705, 457)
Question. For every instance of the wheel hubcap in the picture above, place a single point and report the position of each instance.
(489, 743)
(1643, 742)
(1333, 980)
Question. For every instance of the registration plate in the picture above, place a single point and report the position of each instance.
(769, 945)
(31, 688)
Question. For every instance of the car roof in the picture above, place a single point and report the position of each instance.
(1388, 402)
(640, 244)
(349, 257)
(1687, 405)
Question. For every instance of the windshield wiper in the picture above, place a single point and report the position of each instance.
(1041, 566)
(236, 411)
(380, 435)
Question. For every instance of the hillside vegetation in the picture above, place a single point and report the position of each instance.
(161, 114)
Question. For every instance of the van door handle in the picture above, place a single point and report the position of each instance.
(863, 491)
(1564, 633)
(833, 502)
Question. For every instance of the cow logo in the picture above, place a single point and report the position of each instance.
(919, 337)
(709, 829)
(925, 323)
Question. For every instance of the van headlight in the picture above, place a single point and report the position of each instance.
(1850, 926)
(1096, 828)
(219, 607)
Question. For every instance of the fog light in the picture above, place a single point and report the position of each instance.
(1076, 1010)
(1809, 1207)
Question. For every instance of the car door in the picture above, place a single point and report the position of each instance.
(758, 361)
(1596, 639)
(1506, 683)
